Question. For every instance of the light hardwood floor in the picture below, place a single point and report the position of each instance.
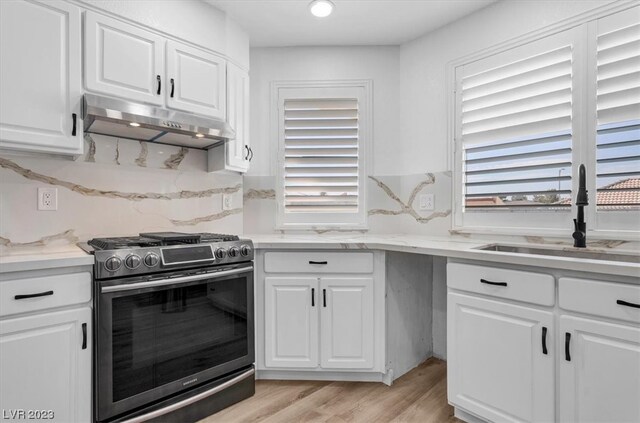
(419, 396)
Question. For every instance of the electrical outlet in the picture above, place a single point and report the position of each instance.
(47, 198)
(227, 201)
(427, 202)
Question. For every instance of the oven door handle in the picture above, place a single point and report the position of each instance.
(172, 281)
(191, 400)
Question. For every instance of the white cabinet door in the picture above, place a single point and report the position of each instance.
(44, 366)
(346, 323)
(291, 322)
(196, 81)
(238, 153)
(497, 368)
(123, 61)
(40, 82)
(600, 371)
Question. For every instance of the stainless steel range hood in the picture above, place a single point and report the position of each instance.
(124, 119)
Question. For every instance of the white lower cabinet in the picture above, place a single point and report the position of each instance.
(45, 363)
(291, 322)
(346, 323)
(500, 360)
(312, 321)
(599, 371)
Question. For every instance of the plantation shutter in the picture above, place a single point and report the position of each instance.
(321, 151)
(618, 111)
(515, 127)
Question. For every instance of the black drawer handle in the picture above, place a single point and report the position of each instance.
(74, 118)
(248, 152)
(544, 340)
(567, 350)
(493, 283)
(173, 87)
(159, 79)
(39, 294)
(627, 303)
(317, 262)
(84, 336)
(324, 298)
(313, 297)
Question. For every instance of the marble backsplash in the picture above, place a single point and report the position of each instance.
(119, 187)
(392, 204)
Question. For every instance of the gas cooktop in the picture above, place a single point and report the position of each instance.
(158, 239)
(157, 252)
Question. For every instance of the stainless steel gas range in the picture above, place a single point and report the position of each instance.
(174, 325)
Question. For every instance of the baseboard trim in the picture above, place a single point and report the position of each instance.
(465, 416)
(328, 376)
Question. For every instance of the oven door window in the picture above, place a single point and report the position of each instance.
(163, 336)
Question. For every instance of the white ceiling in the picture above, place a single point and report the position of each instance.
(278, 23)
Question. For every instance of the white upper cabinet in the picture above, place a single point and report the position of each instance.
(599, 371)
(346, 323)
(196, 81)
(123, 61)
(238, 150)
(40, 82)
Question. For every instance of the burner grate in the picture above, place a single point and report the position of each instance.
(123, 242)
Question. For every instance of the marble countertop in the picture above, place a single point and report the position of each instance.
(37, 258)
(450, 247)
(21, 259)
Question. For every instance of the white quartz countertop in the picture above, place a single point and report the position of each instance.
(449, 247)
(19, 259)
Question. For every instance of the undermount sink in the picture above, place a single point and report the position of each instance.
(567, 252)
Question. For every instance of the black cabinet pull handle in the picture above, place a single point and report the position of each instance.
(324, 298)
(567, 342)
(247, 156)
(173, 87)
(627, 303)
(251, 151)
(313, 297)
(317, 262)
(84, 336)
(544, 340)
(74, 118)
(159, 79)
(493, 283)
(39, 294)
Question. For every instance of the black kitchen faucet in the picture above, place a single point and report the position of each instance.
(580, 233)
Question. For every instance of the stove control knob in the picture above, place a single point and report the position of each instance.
(245, 250)
(113, 263)
(234, 252)
(132, 261)
(151, 260)
(221, 253)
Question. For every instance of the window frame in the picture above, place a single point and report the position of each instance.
(360, 89)
(599, 224)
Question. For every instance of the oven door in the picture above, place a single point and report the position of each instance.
(159, 337)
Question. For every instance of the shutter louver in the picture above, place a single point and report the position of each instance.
(516, 133)
(618, 110)
(321, 151)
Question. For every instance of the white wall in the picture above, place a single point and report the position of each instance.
(379, 64)
(423, 63)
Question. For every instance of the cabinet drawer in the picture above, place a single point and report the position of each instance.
(600, 298)
(34, 294)
(318, 262)
(535, 288)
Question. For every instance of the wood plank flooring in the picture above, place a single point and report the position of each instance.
(418, 396)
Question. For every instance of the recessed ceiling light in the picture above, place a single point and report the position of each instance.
(321, 8)
(199, 136)
(136, 124)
